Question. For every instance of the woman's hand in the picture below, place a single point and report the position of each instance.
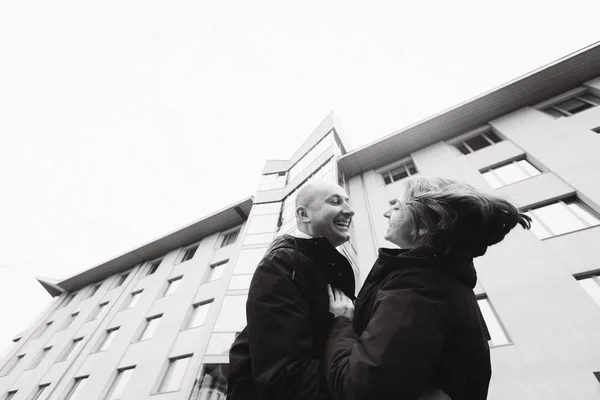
(339, 303)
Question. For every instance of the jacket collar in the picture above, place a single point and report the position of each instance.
(461, 269)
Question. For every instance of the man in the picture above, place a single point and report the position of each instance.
(278, 355)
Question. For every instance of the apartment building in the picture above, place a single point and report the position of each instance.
(158, 321)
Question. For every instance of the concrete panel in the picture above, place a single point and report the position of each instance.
(578, 251)
(535, 190)
(362, 228)
(493, 155)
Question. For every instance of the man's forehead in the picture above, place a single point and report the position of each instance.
(334, 191)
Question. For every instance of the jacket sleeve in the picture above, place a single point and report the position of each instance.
(397, 351)
(280, 333)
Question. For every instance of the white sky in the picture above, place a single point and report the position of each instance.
(122, 121)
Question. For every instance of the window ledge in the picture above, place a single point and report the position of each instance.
(568, 233)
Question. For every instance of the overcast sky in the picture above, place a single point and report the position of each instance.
(123, 121)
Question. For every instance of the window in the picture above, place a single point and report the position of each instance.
(398, 173)
(41, 330)
(220, 343)
(199, 313)
(597, 130)
(230, 238)
(67, 299)
(172, 285)
(273, 181)
(510, 173)
(498, 336)
(213, 383)
(215, 271)
(120, 280)
(75, 393)
(232, 317)
(150, 327)
(11, 347)
(39, 391)
(11, 394)
(561, 217)
(133, 299)
(478, 142)
(12, 363)
(108, 338)
(69, 321)
(591, 285)
(93, 290)
(71, 349)
(573, 105)
(175, 373)
(188, 253)
(153, 266)
(42, 354)
(99, 312)
(116, 389)
(240, 282)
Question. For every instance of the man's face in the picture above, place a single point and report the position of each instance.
(330, 215)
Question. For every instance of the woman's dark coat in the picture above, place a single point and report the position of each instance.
(417, 325)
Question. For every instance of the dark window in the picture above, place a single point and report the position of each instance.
(189, 253)
(478, 142)
(229, 238)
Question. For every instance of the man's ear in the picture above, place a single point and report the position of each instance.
(302, 214)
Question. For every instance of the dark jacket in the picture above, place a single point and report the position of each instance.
(416, 325)
(279, 354)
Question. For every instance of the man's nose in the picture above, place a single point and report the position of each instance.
(349, 210)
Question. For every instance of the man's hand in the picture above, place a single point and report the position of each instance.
(339, 303)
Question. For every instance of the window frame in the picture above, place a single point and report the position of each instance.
(67, 323)
(169, 285)
(405, 163)
(209, 271)
(71, 347)
(225, 239)
(42, 354)
(93, 290)
(186, 251)
(555, 102)
(565, 204)
(120, 279)
(129, 304)
(153, 266)
(195, 306)
(105, 336)
(77, 382)
(497, 320)
(169, 369)
(516, 161)
(146, 323)
(39, 390)
(99, 310)
(12, 364)
(39, 332)
(115, 381)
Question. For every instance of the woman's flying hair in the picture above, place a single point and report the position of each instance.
(454, 218)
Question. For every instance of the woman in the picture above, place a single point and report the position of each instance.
(416, 323)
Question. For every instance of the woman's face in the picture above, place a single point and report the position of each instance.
(398, 231)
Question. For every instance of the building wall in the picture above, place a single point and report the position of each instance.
(552, 323)
(150, 357)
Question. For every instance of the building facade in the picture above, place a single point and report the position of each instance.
(158, 321)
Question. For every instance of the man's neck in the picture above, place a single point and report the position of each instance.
(300, 234)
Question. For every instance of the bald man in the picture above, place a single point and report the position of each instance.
(279, 354)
